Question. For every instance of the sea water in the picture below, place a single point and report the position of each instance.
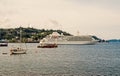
(102, 59)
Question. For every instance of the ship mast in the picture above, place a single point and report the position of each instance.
(78, 33)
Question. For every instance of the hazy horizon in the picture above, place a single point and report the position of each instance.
(94, 17)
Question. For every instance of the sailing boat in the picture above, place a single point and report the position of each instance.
(19, 50)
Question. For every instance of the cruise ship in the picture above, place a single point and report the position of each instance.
(60, 39)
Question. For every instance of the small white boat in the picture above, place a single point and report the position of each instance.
(3, 43)
(18, 51)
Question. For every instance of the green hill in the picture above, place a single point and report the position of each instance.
(28, 34)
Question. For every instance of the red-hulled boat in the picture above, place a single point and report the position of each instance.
(48, 46)
(45, 44)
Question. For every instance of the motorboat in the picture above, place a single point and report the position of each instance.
(3, 43)
(48, 46)
(45, 44)
(18, 51)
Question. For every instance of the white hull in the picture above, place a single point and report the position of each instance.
(18, 51)
(76, 42)
(3, 44)
(66, 40)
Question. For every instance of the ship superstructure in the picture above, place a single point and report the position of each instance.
(61, 39)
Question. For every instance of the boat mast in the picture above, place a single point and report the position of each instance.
(20, 37)
(20, 34)
(0, 34)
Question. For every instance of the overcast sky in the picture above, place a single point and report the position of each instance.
(89, 17)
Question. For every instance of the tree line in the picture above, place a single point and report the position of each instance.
(28, 34)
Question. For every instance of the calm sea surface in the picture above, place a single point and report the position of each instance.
(67, 60)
